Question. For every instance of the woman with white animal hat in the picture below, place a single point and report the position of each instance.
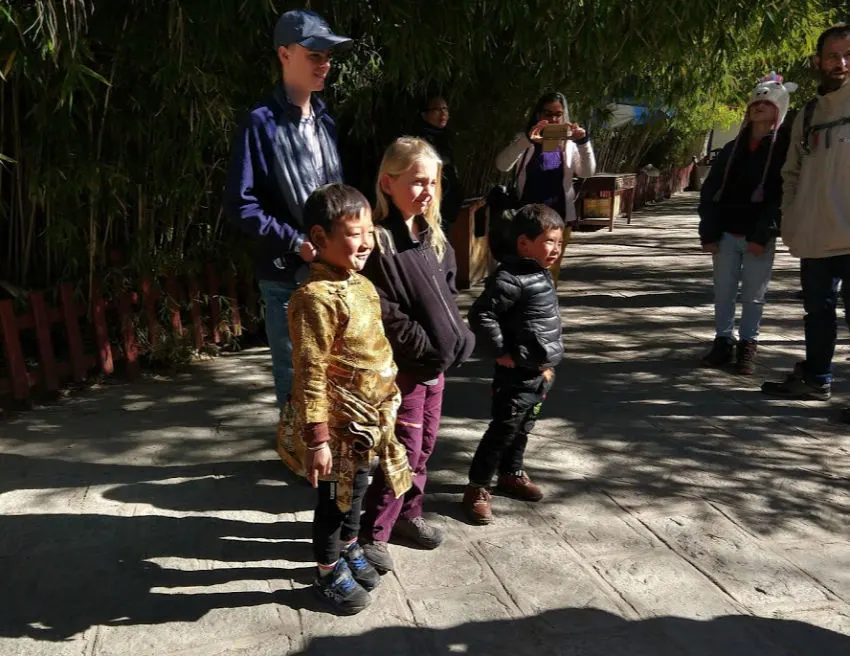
(740, 213)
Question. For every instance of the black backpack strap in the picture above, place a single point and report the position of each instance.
(808, 116)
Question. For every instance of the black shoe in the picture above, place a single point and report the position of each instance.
(378, 556)
(419, 531)
(340, 591)
(362, 571)
(721, 353)
(845, 415)
(746, 356)
(795, 386)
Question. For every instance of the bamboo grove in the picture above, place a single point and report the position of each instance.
(116, 117)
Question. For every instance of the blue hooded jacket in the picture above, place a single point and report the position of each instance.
(270, 176)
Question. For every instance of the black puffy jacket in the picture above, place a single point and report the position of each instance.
(518, 314)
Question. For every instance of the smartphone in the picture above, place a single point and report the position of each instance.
(554, 134)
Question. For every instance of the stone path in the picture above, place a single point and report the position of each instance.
(685, 512)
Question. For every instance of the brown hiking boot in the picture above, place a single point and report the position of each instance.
(519, 486)
(746, 356)
(476, 505)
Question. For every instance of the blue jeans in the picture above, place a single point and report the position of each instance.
(820, 279)
(276, 296)
(734, 266)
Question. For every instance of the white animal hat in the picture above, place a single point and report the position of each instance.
(771, 90)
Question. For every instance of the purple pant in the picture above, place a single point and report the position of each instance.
(416, 428)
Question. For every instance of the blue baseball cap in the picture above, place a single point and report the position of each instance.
(306, 28)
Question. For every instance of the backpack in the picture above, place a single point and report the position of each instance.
(809, 129)
(808, 115)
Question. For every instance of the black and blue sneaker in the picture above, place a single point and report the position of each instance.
(341, 591)
(361, 569)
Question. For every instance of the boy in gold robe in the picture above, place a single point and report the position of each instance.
(344, 399)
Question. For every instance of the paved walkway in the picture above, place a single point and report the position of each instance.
(685, 512)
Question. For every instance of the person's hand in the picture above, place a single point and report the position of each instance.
(712, 248)
(755, 249)
(548, 374)
(534, 134)
(506, 361)
(319, 464)
(307, 252)
(578, 132)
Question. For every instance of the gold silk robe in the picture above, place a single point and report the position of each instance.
(344, 375)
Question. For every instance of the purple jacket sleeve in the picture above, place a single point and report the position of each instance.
(249, 194)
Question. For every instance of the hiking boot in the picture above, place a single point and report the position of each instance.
(519, 486)
(476, 504)
(720, 354)
(746, 356)
(795, 386)
(419, 531)
(378, 556)
(362, 571)
(340, 591)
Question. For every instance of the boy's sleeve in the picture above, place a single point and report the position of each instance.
(312, 327)
(243, 190)
(500, 294)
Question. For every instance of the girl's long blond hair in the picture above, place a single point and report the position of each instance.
(399, 157)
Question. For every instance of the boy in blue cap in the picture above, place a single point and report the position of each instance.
(285, 149)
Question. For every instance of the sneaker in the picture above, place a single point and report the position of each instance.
(746, 356)
(795, 386)
(419, 531)
(720, 354)
(476, 504)
(340, 591)
(378, 556)
(362, 571)
(519, 486)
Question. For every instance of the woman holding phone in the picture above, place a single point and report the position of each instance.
(543, 176)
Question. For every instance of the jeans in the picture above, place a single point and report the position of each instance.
(734, 266)
(516, 405)
(276, 296)
(331, 526)
(820, 279)
(416, 427)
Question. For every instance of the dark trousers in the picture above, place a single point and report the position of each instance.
(820, 278)
(416, 427)
(331, 526)
(517, 400)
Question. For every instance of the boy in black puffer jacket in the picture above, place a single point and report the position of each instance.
(517, 319)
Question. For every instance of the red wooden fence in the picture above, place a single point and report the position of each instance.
(193, 306)
(34, 363)
(665, 185)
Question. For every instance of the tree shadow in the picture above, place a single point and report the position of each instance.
(65, 573)
(559, 633)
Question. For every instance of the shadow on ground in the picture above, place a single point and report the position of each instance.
(550, 633)
(93, 491)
